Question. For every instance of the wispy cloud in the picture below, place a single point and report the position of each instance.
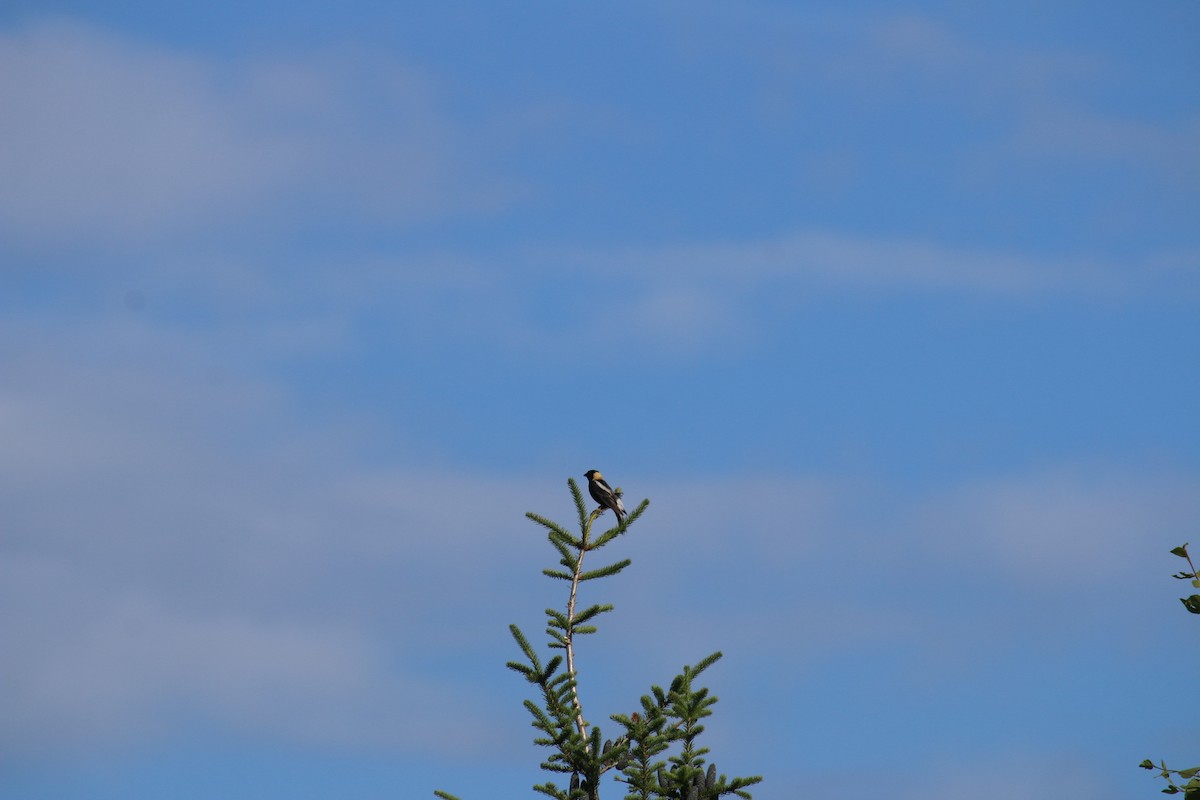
(174, 550)
(114, 141)
(955, 64)
(687, 299)
(1062, 526)
(842, 260)
(692, 297)
(1079, 136)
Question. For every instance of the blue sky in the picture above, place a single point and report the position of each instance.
(891, 310)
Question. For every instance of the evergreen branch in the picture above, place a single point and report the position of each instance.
(549, 523)
(738, 784)
(444, 795)
(610, 534)
(594, 744)
(551, 790)
(527, 672)
(621, 526)
(525, 647)
(562, 679)
(588, 613)
(637, 512)
(604, 572)
(579, 504)
(563, 545)
(705, 663)
(540, 720)
(553, 573)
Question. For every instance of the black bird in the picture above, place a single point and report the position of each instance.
(603, 494)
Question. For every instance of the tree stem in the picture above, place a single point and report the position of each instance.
(570, 636)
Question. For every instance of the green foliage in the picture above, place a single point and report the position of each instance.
(657, 755)
(1191, 789)
(1192, 603)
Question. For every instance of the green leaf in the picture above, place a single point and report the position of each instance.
(1189, 773)
(1147, 764)
(1180, 551)
(1192, 603)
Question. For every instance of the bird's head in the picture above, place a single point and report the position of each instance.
(593, 474)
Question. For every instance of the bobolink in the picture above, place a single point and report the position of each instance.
(603, 494)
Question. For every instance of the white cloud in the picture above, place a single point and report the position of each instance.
(723, 282)
(1068, 526)
(105, 138)
(120, 665)
(168, 557)
(1017, 108)
(689, 299)
(679, 319)
(954, 65)
(109, 140)
(1055, 113)
(154, 568)
(104, 668)
(1074, 135)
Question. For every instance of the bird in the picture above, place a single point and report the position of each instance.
(603, 494)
